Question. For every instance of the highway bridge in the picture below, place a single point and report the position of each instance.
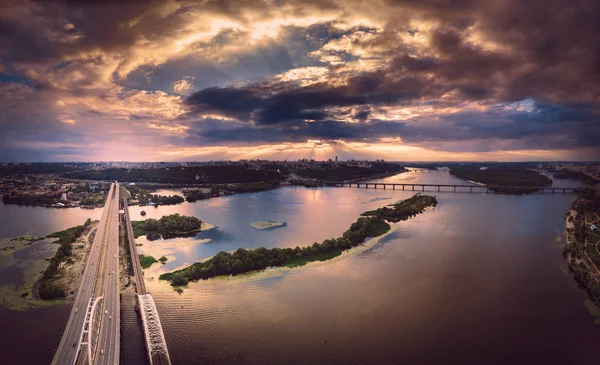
(156, 345)
(447, 187)
(92, 334)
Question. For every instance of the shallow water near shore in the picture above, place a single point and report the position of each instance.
(478, 280)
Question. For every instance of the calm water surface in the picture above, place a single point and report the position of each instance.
(478, 280)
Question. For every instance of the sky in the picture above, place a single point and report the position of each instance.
(400, 80)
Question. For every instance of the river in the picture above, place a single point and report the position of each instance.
(479, 279)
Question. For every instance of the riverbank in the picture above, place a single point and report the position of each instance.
(582, 241)
(32, 256)
(243, 260)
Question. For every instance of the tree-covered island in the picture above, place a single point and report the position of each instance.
(503, 179)
(169, 226)
(242, 260)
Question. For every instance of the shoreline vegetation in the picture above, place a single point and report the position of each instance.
(582, 248)
(143, 197)
(47, 289)
(505, 179)
(147, 260)
(169, 226)
(373, 224)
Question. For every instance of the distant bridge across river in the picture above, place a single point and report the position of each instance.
(456, 188)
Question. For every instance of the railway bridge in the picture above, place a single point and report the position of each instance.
(156, 345)
(449, 187)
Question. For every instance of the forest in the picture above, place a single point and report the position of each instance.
(503, 179)
(168, 226)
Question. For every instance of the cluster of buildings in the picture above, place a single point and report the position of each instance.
(49, 190)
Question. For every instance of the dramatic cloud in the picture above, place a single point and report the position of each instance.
(408, 79)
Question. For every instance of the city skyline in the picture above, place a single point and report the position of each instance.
(393, 80)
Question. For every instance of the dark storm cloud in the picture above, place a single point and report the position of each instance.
(541, 128)
(288, 103)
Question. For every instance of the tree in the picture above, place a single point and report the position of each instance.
(179, 280)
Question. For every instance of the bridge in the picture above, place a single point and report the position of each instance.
(156, 345)
(448, 187)
(92, 334)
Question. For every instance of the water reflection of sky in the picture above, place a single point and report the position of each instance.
(311, 214)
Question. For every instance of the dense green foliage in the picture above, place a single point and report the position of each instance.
(144, 197)
(146, 261)
(343, 172)
(176, 175)
(404, 209)
(47, 290)
(39, 168)
(32, 199)
(576, 175)
(166, 227)
(503, 179)
(179, 280)
(192, 195)
(242, 260)
(588, 200)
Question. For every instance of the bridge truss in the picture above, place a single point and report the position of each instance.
(155, 338)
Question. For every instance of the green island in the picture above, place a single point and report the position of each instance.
(503, 179)
(243, 260)
(404, 209)
(212, 191)
(47, 290)
(146, 261)
(140, 196)
(582, 248)
(169, 226)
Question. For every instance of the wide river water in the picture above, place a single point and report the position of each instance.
(478, 280)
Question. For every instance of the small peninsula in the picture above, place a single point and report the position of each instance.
(373, 224)
(169, 226)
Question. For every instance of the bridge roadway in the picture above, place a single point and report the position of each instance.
(109, 339)
(470, 188)
(156, 345)
(73, 345)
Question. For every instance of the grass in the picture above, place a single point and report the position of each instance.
(321, 256)
(147, 261)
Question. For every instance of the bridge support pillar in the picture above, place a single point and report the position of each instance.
(423, 188)
(413, 187)
(455, 188)
(471, 189)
